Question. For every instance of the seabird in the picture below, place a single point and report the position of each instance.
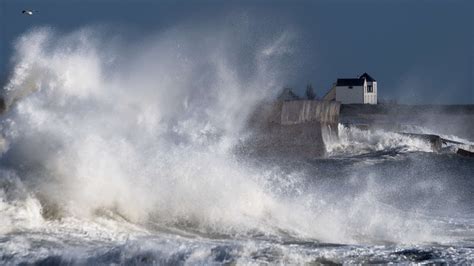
(27, 12)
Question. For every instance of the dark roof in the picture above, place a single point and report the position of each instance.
(350, 82)
(367, 77)
(288, 95)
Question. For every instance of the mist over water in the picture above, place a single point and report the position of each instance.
(130, 148)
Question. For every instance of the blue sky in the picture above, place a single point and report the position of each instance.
(420, 52)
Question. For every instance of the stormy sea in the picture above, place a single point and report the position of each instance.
(131, 153)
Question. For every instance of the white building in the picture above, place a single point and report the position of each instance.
(355, 90)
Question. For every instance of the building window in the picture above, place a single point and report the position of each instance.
(370, 88)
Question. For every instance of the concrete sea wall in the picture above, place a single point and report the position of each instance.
(456, 120)
(292, 127)
(300, 112)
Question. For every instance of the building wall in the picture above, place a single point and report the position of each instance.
(370, 97)
(346, 95)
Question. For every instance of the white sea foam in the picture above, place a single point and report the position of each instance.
(352, 140)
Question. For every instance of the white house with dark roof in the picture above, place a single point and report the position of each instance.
(354, 90)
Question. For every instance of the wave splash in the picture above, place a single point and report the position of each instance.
(146, 133)
(149, 139)
(354, 141)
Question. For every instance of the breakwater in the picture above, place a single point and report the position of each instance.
(292, 127)
(443, 119)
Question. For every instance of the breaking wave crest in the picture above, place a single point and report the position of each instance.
(353, 141)
(148, 138)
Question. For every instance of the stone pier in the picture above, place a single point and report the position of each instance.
(292, 127)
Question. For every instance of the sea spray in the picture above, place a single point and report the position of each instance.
(149, 144)
(352, 140)
(121, 145)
